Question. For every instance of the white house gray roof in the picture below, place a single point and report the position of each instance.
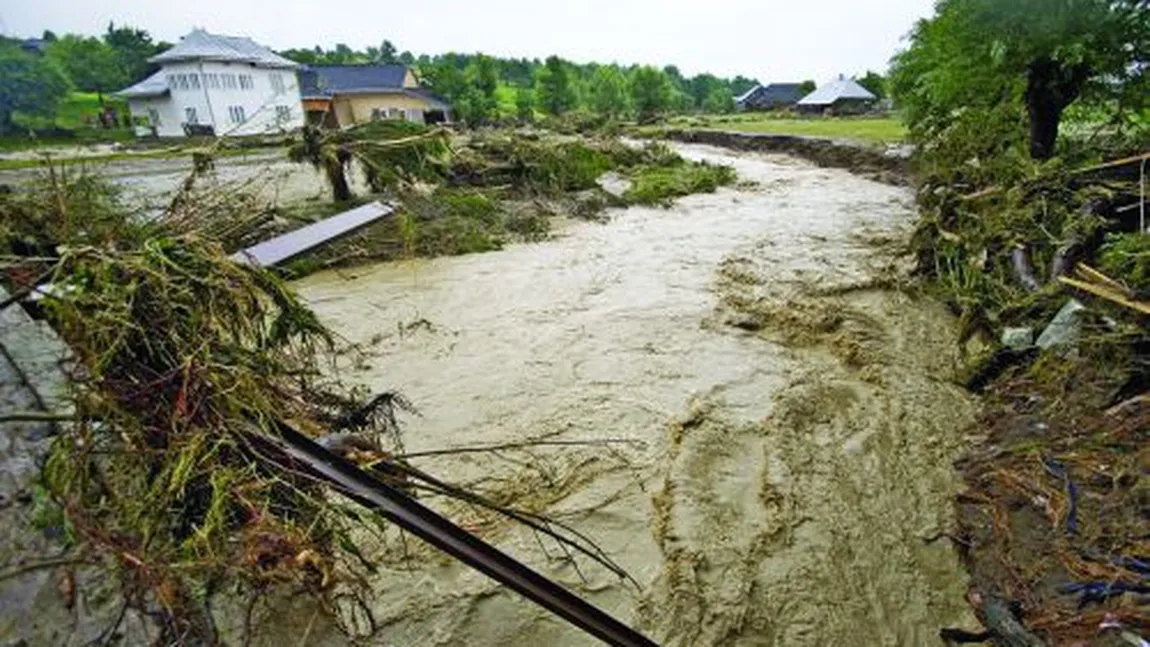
(202, 46)
(153, 86)
(840, 88)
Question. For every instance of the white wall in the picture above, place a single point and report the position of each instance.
(170, 118)
(217, 102)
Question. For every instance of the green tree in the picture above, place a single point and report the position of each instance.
(554, 90)
(387, 54)
(651, 92)
(740, 85)
(525, 104)
(807, 87)
(702, 87)
(90, 63)
(874, 82)
(720, 101)
(133, 47)
(1039, 54)
(608, 90)
(477, 103)
(31, 85)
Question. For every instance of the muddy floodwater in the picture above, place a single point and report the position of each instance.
(788, 417)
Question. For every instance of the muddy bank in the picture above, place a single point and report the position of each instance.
(789, 423)
(886, 166)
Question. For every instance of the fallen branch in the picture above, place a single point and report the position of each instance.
(1100, 285)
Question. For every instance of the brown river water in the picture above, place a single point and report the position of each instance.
(790, 418)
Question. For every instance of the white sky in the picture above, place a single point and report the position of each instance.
(773, 40)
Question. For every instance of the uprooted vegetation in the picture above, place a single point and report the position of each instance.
(183, 364)
(478, 191)
(1044, 259)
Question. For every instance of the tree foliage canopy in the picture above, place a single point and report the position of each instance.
(652, 92)
(30, 85)
(1039, 54)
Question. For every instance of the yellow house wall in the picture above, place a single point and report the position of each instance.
(357, 109)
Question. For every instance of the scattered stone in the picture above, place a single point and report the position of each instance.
(1018, 338)
(1065, 327)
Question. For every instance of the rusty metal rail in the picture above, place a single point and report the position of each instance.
(438, 531)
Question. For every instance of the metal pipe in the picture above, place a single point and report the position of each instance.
(438, 531)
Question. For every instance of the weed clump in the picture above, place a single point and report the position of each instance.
(660, 185)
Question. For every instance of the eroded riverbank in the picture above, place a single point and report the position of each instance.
(796, 421)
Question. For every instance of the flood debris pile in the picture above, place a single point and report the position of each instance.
(183, 363)
(475, 192)
(1045, 263)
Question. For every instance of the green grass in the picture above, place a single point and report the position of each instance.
(877, 130)
(70, 115)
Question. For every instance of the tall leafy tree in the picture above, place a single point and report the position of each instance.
(133, 47)
(741, 85)
(651, 92)
(807, 87)
(554, 90)
(387, 54)
(90, 63)
(719, 101)
(525, 104)
(609, 93)
(30, 85)
(1041, 54)
(874, 82)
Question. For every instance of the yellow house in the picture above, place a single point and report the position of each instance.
(339, 96)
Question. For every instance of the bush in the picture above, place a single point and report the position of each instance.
(659, 185)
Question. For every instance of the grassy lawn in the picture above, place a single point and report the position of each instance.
(879, 130)
(70, 115)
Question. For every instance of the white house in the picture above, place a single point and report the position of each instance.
(225, 85)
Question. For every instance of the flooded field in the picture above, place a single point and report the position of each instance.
(781, 423)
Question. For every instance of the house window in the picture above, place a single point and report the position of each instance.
(283, 114)
(190, 116)
(228, 81)
(376, 114)
(394, 113)
(246, 82)
(194, 80)
(211, 80)
(236, 113)
(154, 117)
(277, 80)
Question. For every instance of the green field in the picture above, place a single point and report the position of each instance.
(70, 115)
(877, 130)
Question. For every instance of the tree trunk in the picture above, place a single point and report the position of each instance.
(337, 175)
(1050, 88)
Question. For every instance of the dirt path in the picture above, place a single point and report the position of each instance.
(796, 424)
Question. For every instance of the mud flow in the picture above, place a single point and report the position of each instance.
(781, 421)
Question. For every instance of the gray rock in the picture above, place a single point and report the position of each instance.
(1065, 328)
(1018, 338)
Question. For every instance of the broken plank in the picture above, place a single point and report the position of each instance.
(1107, 293)
(282, 248)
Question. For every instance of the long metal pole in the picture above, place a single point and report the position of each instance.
(438, 531)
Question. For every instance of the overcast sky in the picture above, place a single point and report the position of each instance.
(773, 40)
